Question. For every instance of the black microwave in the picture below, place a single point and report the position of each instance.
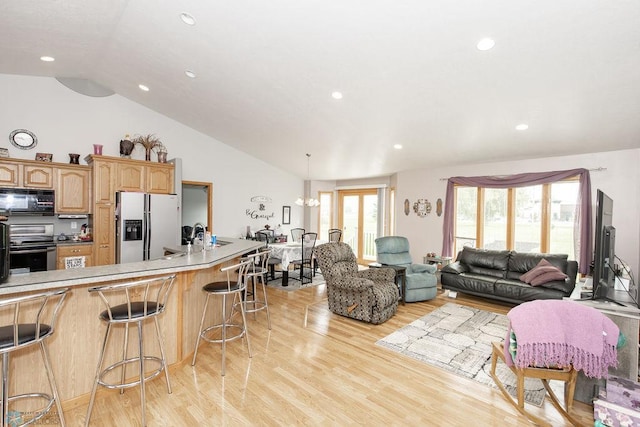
(25, 201)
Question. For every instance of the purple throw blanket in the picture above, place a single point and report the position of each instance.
(560, 333)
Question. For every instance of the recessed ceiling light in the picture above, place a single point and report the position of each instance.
(47, 58)
(187, 18)
(336, 95)
(522, 126)
(397, 146)
(144, 88)
(486, 44)
(190, 74)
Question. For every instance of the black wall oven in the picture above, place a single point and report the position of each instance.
(32, 248)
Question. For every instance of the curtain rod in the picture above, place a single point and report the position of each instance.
(598, 169)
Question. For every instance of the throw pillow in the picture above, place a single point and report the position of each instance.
(542, 273)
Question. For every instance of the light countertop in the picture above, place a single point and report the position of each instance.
(197, 260)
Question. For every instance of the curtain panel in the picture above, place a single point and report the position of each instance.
(584, 232)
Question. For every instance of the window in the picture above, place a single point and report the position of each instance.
(537, 218)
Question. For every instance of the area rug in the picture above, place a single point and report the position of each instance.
(294, 284)
(458, 339)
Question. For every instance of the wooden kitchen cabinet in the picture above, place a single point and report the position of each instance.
(73, 190)
(10, 174)
(70, 250)
(37, 176)
(26, 173)
(104, 188)
(159, 178)
(130, 177)
(104, 234)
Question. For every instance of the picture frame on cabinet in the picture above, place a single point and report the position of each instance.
(286, 214)
(44, 157)
(4, 152)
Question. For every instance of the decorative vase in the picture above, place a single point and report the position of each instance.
(97, 149)
(74, 159)
(162, 157)
(147, 154)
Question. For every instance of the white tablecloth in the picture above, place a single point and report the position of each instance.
(288, 252)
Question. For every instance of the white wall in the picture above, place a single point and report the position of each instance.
(619, 180)
(67, 122)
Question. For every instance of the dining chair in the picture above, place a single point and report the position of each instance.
(267, 236)
(335, 235)
(296, 234)
(308, 243)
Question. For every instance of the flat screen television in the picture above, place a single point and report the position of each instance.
(604, 254)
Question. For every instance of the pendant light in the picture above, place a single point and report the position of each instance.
(310, 202)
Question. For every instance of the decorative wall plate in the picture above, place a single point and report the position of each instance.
(23, 139)
(407, 206)
(439, 207)
(422, 207)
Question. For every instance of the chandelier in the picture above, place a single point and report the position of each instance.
(302, 201)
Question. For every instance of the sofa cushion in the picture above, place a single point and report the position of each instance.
(485, 262)
(542, 273)
(520, 263)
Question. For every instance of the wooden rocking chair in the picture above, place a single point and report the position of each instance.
(567, 374)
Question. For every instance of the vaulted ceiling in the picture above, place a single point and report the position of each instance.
(409, 73)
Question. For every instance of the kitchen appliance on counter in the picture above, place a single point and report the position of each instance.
(145, 224)
(25, 201)
(32, 248)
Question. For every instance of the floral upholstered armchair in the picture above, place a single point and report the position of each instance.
(368, 295)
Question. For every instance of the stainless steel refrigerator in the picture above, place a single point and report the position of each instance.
(145, 224)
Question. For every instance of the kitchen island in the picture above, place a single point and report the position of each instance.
(74, 348)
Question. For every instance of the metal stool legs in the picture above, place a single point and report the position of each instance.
(223, 327)
(252, 303)
(145, 299)
(51, 399)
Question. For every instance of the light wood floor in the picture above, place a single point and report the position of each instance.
(317, 368)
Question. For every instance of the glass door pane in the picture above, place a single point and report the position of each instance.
(358, 219)
(369, 227)
(350, 214)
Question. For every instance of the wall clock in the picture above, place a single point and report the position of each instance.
(422, 207)
(23, 139)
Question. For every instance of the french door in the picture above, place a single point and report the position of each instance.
(358, 219)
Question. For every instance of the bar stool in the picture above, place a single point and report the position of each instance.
(34, 318)
(229, 330)
(143, 299)
(257, 271)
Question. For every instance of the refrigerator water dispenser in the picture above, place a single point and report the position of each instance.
(132, 229)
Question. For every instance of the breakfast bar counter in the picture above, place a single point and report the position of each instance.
(76, 343)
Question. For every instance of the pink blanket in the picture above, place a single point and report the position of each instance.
(560, 333)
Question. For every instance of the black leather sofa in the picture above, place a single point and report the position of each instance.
(496, 274)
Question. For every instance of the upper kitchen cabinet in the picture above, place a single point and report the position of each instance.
(26, 173)
(73, 190)
(160, 178)
(130, 177)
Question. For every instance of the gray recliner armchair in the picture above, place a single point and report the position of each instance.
(368, 295)
(421, 280)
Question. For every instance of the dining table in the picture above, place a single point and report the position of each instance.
(288, 252)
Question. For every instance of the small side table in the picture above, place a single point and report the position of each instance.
(401, 277)
(441, 261)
